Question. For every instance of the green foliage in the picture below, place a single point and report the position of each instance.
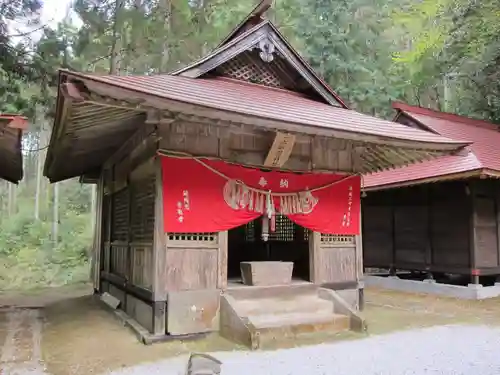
(29, 258)
(454, 43)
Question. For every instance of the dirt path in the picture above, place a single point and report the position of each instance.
(21, 330)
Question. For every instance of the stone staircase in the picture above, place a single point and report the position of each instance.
(254, 315)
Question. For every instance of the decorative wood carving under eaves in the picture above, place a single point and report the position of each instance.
(267, 49)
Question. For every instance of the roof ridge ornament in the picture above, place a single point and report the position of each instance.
(267, 49)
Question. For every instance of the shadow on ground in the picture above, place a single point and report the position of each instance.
(81, 336)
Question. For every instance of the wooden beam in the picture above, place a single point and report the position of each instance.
(71, 91)
(225, 54)
(155, 116)
(139, 137)
(280, 150)
(160, 243)
(222, 260)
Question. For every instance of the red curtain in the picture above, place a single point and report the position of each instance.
(209, 196)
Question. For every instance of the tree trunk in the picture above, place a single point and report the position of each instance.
(39, 163)
(166, 7)
(11, 202)
(55, 217)
(114, 63)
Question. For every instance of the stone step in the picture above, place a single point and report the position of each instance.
(292, 319)
(271, 328)
(279, 291)
(307, 303)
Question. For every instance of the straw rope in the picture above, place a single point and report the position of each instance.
(261, 191)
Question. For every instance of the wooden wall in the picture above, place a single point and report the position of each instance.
(442, 227)
(127, 236)
(196, 261)
(335, 260)
(486, 225)
(128, 222)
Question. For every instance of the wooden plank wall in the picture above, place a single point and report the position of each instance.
(128, 226)
(196, 261)
(419, 228)
(485, 225)
(333, 259)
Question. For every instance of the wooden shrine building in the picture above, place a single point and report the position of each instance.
(227, 185)
(11, 159)
(439, 216)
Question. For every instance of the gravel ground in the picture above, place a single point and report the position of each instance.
(445, 350)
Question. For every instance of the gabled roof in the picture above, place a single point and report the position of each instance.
(481, 159)
(239, 56)
(253, 18)
(11, 161)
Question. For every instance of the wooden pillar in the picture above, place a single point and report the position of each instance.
(159, 257)
(98, 243)
(222, 260)
(473, 233)
(314, 249)
(359, 260)
(108, 179)
(129, 255)
(392, 270)
(497, 214)
(358, 240)
(428, 250)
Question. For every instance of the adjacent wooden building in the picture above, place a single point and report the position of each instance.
(252, 104)
(439, 216)
(11, 159)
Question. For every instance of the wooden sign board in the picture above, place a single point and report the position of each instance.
(280, 151)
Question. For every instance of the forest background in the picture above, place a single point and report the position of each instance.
(442, 54)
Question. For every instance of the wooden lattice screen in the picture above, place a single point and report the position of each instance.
(250, 232)
(251, 69)
(192, 237)
(119, 232)
(143, 210)
(106, 230)
(285, 230)
(120, 216)
(337, 240)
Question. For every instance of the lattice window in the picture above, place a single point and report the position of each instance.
(143, 209)
(250, 232)
(285, 229)
(335, 239)
(119, 231)
(196, 237)
(106, 201)
(250, 67)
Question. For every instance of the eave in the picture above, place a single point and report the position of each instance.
(11, 159)
(101, 100)
(482, 173)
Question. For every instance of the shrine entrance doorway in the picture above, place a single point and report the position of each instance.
(289, 242)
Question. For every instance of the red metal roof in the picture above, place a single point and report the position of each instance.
(265, 102)
(15, 121)
(483, 156)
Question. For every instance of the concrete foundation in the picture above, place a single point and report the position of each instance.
(470, 292)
